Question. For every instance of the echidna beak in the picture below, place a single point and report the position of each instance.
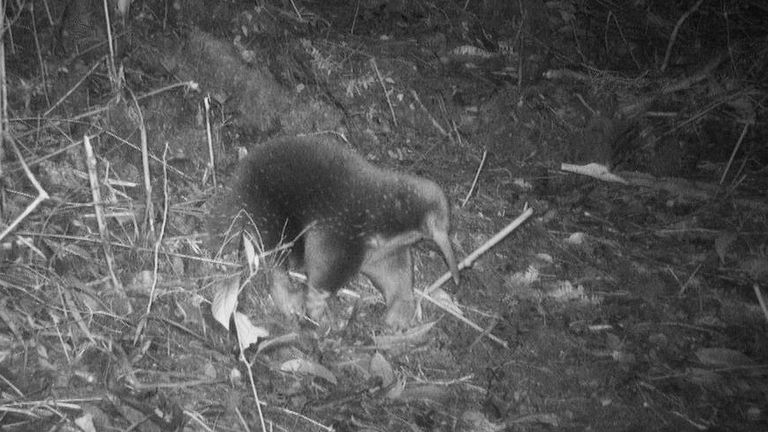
(444, 243)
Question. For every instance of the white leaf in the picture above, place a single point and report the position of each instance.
(397, 390)
(250, 255)
(381, 368)
(85, 423)
(576, 238)
(225, 301)
(247, 333)
(235, 377)
(722, 243)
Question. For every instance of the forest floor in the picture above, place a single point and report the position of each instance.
(631, 299)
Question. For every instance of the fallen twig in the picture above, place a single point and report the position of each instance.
(474, 181)
(733, 153)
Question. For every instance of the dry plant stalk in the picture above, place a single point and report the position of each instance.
(429, 114)
(149, 210)
(161, 235)
(42, 195)
(90, 161)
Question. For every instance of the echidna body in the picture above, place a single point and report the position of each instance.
(345, 215)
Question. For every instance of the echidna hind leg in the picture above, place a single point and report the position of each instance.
(392, 275)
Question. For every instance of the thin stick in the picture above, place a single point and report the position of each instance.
(675, 31)
(474, 181)
(520, 54)
(429, 114)
(761, 299)
(149, 210)
(71, 90)
(211, 158)
(4, 125)
(298, 14)
(243, 422)
(90, 160)
(733, 153)
(38, 50)
(467, 262)
(460, 317)
(253, 384)
(47, 13)
(111, 60)
(354, 19)
(42, 195)
(386, 92)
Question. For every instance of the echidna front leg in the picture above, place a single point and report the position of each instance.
(392, 275)
(330, 260)
(288, 297)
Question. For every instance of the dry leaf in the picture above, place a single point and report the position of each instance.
(306, 367)
(85, 423)
(411, 337)
(576, 238)
(397, 389)
(722, 357)
(722, 243)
